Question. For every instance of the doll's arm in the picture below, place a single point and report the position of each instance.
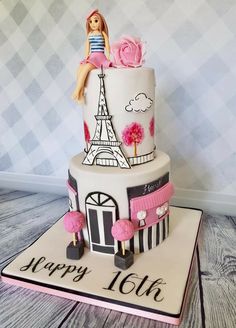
(87, 48)
(107, 45)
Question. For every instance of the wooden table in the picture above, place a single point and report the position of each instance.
(211, 300)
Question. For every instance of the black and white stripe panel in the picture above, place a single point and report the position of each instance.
(106, 162)
(149, 238)
(141, 159)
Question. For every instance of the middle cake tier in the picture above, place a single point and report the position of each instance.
(104, 196)
(118, 115)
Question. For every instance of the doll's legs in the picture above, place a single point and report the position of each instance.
(82, 74)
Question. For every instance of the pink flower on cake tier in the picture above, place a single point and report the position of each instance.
(152, 127)
(128, 52)
(133, 134)
(86, 134)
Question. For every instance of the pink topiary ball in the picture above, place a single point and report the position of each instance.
(73, 221)
(122, 230)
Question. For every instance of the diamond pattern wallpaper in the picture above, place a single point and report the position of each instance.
(191, 45)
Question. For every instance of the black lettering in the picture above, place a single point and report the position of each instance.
(26, 267)
(57, 267)
(140, 286)
(82, 272)
(49, 266)
(70, 268)
(113, 281)
(154, 287)
(125, 281)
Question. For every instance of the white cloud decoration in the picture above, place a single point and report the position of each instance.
(139, 104)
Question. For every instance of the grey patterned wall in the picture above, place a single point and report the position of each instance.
(192, 46)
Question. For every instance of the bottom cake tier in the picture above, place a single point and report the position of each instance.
(104, 195)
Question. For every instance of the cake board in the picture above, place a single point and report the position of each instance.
(154, 287)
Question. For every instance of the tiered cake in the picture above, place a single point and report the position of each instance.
(119, 193)
(120, 175)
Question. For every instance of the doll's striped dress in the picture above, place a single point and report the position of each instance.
(97, 43)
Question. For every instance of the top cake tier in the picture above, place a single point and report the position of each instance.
(119, 117)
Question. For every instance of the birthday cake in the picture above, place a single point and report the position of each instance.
(120, 183)
(119, 192)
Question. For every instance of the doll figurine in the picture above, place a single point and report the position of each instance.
(97, 41)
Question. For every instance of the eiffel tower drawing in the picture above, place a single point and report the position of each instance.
(104, 147)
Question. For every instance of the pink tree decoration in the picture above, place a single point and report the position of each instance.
(86, 134)
(133, 134)
(122, 230)
(73, 223)
(152, 127)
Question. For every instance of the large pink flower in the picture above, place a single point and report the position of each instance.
(128, 52)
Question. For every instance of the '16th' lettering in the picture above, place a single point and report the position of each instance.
(139, 285)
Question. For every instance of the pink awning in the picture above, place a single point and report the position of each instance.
(154, 199)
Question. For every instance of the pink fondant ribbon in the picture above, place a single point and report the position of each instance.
(71, 188)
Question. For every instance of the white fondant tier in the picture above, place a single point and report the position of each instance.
(106, 195)
(119, 114)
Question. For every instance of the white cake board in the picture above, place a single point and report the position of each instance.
(154, 286)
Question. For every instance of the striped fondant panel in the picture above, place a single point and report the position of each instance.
(149, 238)
(106, 162)
(141, 159)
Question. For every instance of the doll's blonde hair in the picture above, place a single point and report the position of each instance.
(103, 26)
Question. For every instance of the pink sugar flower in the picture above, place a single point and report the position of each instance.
(128, 52)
